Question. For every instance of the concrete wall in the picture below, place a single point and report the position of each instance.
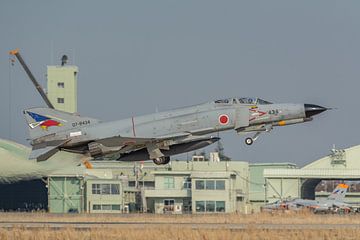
(62, 83)
(164, 181)
(104, 203)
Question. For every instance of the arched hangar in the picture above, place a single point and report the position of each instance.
(340, 164)
(18, 188)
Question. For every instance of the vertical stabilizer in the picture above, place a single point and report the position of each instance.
(339, 192)
(46, 121)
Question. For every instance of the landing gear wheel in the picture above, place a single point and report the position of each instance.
(158, 161)
(167, 160)
(161, 160)
(249, 141)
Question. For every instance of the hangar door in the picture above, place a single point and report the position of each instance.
(65, 194)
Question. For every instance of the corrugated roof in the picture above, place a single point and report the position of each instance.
(10, 149)
(312, 173)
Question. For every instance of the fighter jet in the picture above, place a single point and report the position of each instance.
(333, 203)
(160, 135)
(275, 206)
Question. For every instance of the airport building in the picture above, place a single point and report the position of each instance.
(62, 87)
(180, 187)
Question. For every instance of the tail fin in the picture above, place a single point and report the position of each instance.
(339, 192)
(46, 121)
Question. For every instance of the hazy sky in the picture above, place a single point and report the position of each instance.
(138, 56)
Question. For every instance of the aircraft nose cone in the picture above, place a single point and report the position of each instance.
(311, 109)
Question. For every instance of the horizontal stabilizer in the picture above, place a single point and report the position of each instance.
(42, 152)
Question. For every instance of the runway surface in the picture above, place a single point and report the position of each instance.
(230, 226)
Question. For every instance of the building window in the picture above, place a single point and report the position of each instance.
(61, 85)
(115, 189)
(115, 207)
(220, 206)
(96, 207)
(60, 100)
(107, 207)
(96, 189)
(187, 183)
(169, 205)
(169, 182)
(200, 206)
(200, 184)
(106, 189)
(220, 184)
(210, 206)
(210, 184)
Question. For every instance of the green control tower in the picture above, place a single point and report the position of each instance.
(62, 86)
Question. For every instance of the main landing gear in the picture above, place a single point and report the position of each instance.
(161, 160)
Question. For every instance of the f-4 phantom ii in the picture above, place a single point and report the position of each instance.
(160, 135)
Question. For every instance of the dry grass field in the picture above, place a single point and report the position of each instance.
(177, 234)
(169, 226)
(304, 217)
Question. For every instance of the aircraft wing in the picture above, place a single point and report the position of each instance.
(128, 144)
(123, 141)
(43, 151)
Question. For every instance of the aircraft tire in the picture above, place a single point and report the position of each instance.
(167, 160)
(249, 141)
(161, 160)
(158, 161)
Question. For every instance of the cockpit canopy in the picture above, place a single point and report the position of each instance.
(244, 100)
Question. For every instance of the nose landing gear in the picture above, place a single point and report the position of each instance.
(249, 141)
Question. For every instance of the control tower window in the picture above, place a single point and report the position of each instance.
(61, 84)
(60, 100)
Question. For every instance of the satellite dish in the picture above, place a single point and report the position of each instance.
(64, 60)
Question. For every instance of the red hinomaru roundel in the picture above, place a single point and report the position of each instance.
(223, 119)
